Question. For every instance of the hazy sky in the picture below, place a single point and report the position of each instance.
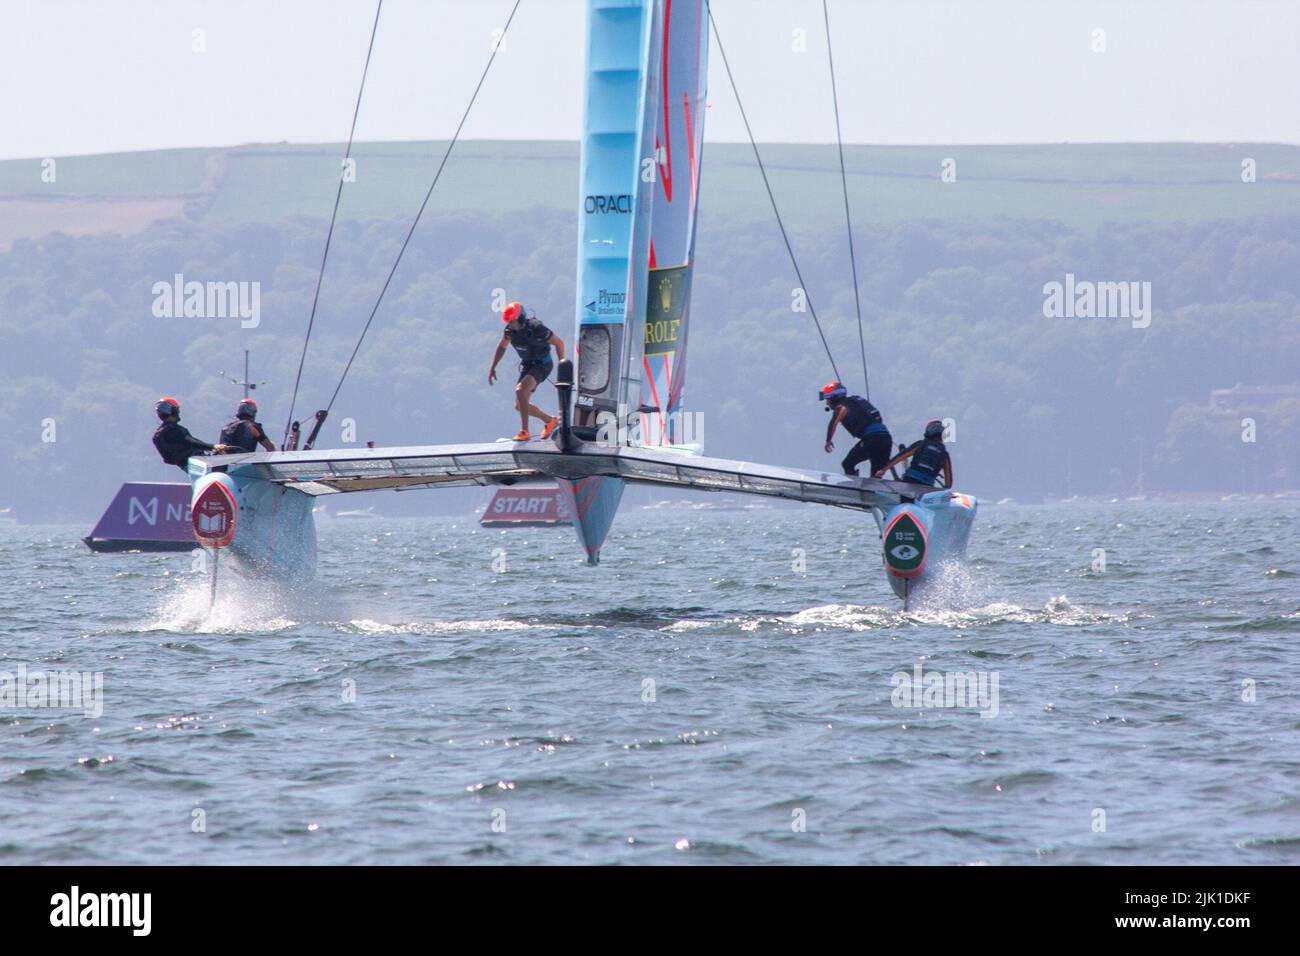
(86, 76)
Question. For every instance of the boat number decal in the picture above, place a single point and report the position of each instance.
(905, 547)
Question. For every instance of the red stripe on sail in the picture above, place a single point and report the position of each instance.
(654, 393)
(666, 168)
(690, 150)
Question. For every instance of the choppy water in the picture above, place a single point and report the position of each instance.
(521, 698)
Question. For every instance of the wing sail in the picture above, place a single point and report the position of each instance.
(679, 151)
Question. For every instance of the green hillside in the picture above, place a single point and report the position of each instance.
(952, 296)
(1081, 186)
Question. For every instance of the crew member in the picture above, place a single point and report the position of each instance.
(173, 440)
(245, 433)
(928, 457)
(860, 419)
(532, 340)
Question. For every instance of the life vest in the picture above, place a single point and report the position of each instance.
(532, 342)
(861, 418)
(172, 442)
(926, 462)
(241, 434)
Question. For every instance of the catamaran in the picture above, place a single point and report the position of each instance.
(644, 98)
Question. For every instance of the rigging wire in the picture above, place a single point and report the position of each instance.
(848, 221)
(329, 235)
(762, 169)
(437, 175)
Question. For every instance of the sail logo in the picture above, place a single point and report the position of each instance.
(1084, 299)
(661, 335)
(208, 300)
(607, 203)
(932, 690)
(136, 511)
(665, 308)
(607, 303)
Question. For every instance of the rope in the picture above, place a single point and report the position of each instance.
(848, 222)
(784, 235)
(311, 321)
(419, 214)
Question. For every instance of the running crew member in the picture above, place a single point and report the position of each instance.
(532, 340)
(244, 433)
(928, 457)
(860, 419)
(173, 440)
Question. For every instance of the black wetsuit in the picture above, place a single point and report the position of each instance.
(243, 434)
(533, 343)
(929, 459)
(862, 420)
(175, 444)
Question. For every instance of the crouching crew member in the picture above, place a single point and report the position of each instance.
(860, 419)
(173, 440)
(245, 433)
(928, 458)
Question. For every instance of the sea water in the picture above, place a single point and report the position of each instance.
(1099, 683)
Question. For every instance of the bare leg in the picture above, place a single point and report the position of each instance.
(523, 399)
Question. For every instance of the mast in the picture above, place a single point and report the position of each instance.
(246, 383)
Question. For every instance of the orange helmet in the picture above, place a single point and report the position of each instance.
(831, 391)
(514, 310)
(166, 406)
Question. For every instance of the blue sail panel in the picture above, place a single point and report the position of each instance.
(614, 209)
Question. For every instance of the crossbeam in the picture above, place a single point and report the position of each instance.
(340, 471)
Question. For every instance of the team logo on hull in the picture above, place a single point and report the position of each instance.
(904, 543)
(213, 516)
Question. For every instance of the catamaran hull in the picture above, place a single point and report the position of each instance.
(919, 537)
(274, 529)
(593, 503)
